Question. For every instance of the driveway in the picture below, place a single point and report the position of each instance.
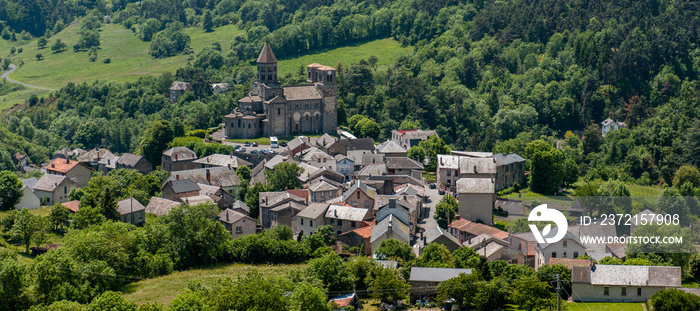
(6, 75)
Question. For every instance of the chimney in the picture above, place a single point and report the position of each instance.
(177, 177)
(176, 157)
(374, 160)
(226, 215)
(53, 165)
(475, 169)
(335, 212)
(208, 177)
(457, 217)
(229, 166)
(65, 153)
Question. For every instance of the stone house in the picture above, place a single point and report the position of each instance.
(177, 89)
(613, 283)
(329, 144)
(359, 237)
(344, 218)
(29, 200)
(391, 149)
(236, 223)
(404, 166)
(493, 248)
(71, 169)
(322, 190)
(319, 159)
(91, 158)
(310, 218)
(476, 199)
(464, 230)
(108, 162)
(410, 138)
(356, 148)
(424, 281)
(177, 190)
(345, 166)
(134, 162)
(178, 159)
(568, 247)
(280, 207)
(404, 207)
(439, 236)
(609, 125)
(52, 189)
(222, 177)
(359, 195)
(510, 169)
(132, 211)
(390, 228)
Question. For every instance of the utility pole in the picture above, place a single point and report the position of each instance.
(558, 292)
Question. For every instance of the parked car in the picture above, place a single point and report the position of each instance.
(242, 149)
(441, 191)
(235, 147)
(255, 144)
(247, 144)
(432, 185)
(283, 144)
(254, 152)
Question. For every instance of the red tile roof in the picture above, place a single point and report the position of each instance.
(405, 131)
(302, 193)
(62, 165)
(365, 232)
(73, 206)
(477, 229)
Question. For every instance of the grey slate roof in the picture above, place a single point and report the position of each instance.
(391, 147)
(372, 158)
(398, 228)
(476, 185)
(48, 182)
(346, 213)
(302, 92)
(296, 142)
(436, 232)
(218, 176)
(29, 182)
(390, 264)
(366, 143)
(223, 160)
(369, 191)
(109, 160)
(129, 159)
(160, 206)
(266, 56)
(628, 275)
(233, 216)
(179, 86)
(314, 210)
(505, 159)
(129, 205)
(183, 185)
(448, 161)
(183, 153)
(322, 185)
(373, 170)
(468, 165)
(403, 163)
(313, 154)
(421, 274)
(241, 205)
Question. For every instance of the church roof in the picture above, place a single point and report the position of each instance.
(304, 92)
(266, 55)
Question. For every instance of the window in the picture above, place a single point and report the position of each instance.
(606, 291)
(639, 291)
(575, 255)
(358, 194)
(65, 189)
(449, 173)
(279, 111)
(311, 223)
(239, 229)
(331, 221)
(340, 222)
(301, 221)
(352, 224)
(623, 291)
(564, 254)
(565, 243)
(366, 203)
(554, 254)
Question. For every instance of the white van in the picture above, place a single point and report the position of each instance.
(273, 142)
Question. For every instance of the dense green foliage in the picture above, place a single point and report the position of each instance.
(10, 190)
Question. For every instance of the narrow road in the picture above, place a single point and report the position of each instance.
(6, 75)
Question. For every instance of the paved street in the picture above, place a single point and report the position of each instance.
(219, 135)
(429, 208)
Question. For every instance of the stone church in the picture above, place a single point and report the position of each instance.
(271, 109)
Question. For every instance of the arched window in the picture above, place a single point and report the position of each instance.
(248, 125)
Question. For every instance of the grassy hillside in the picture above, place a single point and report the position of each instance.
(129, 56)
(164, 289)
(386, 50)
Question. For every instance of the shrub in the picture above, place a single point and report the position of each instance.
(107, 60)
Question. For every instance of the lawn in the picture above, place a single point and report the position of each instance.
(129, 56)
(164, 289)
(602, 306)
(386, 50)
